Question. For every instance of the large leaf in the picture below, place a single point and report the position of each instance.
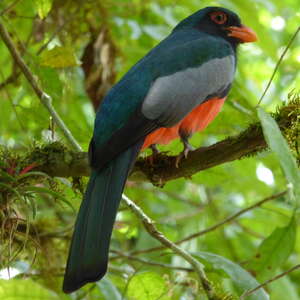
(16, 289)
(7, 177)
(59, 57)
(274, 251)
(146, 286)
(43, 7)
(108, 290)
(241, 279)
(278, 144)
(50, 80)
(283, 287)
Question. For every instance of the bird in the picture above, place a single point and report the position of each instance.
(175, 90)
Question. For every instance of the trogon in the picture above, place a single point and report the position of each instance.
(175, 90)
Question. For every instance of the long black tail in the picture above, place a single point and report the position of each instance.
(88, 256)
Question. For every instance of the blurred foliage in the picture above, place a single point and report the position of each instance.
(36, 219)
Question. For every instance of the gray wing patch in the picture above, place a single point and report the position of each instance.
(172, 97)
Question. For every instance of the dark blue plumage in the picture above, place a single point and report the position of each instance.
(195, 63)
(89, 249)
(186, 48)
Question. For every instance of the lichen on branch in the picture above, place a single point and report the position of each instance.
(55, 159)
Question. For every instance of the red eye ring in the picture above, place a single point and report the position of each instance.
(218, 17)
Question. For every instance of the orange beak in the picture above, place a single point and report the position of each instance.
(243, 33)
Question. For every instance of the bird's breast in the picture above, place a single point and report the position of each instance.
(173, 96)
(197, 120)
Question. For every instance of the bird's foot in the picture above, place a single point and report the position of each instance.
(154, 149)
(184, 154)
(155, 152)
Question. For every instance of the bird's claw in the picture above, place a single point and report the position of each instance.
(155, 152)
(154, 149)
(184, 154)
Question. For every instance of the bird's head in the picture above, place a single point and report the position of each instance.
(219, 21)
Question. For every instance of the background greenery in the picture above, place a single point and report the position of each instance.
(37, 218)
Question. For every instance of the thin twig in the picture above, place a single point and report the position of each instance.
(44, 98)
(248, 230)
(231, 218)
(9, 97)
(249, 292)
(8, 8)
(173, 195)
(10, 79)
(277, 65)
(59, 29)
(217, 225)
(152, 230)
(148, 262)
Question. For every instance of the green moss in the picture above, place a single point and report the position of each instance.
(288, 119)
(22, 192)
(42, 154)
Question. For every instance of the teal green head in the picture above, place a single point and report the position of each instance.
(219, 21)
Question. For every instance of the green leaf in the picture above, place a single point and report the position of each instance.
(34, 173)
(274, 251)
(59, 57)
(7, 176)
(146, 286)
(283, 287)
(51, 81)
(11, 189)
(108, 290)
(43, 7)
(241, 279)
(278, 144)
(42, 190)
(16, 289)
(32, 204)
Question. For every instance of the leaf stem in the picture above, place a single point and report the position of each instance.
(277, 65)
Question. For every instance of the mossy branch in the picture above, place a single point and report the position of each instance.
(247, 143)
(154, 232)
(56, 160)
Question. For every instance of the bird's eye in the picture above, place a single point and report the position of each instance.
(218, 17)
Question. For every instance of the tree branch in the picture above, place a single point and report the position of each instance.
(249, 142)
(231, 218)
(44, 98)
(121, 255)
(217, 225)
(56, 160)
(163, 167)
(152, 230)
(9, 7)
(249, 292)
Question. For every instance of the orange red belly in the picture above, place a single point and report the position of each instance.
(197, 120)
